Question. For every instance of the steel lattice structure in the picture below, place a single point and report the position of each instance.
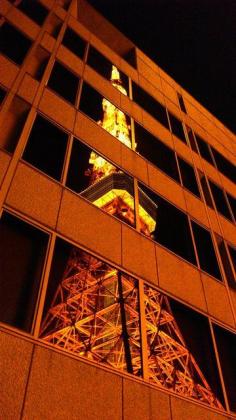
(95, 314)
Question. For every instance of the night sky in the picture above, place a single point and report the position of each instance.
(192, 40)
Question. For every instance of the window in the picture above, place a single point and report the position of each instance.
(191, 138)
(34, 10)
(225, 258)
(188, 177)
(151, 105)
(204, 149)
(205, 249)
(224, 165)
(74, 42)
(177, 127)
(205, 189)
(232, 252)
(94, 105)
(165, 223)
(2, 94)
(196, 334)
(226, 345)
(46, 147)
(104, 66)
(22, 254)
(64, 82)
(100, 182)
(181, 103)
(14, 122)
(10, 37)
(99, 306)
(156, 152)
(130, 57)
(220, 200)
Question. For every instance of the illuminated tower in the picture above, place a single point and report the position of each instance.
(95, 312)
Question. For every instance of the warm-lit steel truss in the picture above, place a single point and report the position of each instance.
(96, 312)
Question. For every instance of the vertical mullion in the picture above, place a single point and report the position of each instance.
(143, 332)
(44, 286)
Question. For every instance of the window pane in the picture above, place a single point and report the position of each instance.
(14, 121)
(10, 37)
(106, 114)
(156, 152)
(177, 127)
(220, 200)
(181, 103)
(188, 177)
(74, 42)
(22, 254)
(205, 250)
(103, 66)
(226, 345)
(34, 10)
(92, 310)
(101, 182)
(196, 335)
(224, 165)
(46, 147)
(204, 149)
(64, 82)
(151, 105)
(165, 224)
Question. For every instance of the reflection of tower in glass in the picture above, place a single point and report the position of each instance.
(95, 309)
(114, 191)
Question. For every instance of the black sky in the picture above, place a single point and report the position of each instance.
(192, 40)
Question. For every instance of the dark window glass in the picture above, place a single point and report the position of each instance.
(104, 66)
(46, 147)
(192, 140)
(22, 253)
(177, 128)
(2, 95)
(205, 189)
(13, 43)
(171, 225)
(188, 177)
(156, 152)
(34, 10)
(100, 182)
(226, 345)
(151, 105)
(130, 57)
(64, 82)
(74, 42)
(91, 102)
(181, 103)
(220, 200)
(232, 203)
(205, 249)
(196, 333)
(204, 149)
(226, 263)
(232, 252)
(224, 165)
(14, 121)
